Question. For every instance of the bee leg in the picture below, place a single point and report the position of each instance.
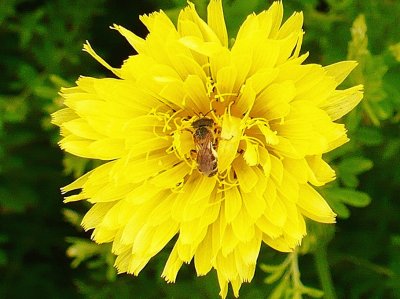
(193, 154)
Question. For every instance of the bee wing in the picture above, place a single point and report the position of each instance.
(206, 159)
(205, 142)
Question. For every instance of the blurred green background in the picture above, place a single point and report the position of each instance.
(45, 254)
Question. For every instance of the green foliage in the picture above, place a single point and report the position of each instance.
(44, 252)
(287, 278)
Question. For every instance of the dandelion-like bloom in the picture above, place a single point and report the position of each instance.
(241, 176)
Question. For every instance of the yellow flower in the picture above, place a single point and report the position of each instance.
(240, 177)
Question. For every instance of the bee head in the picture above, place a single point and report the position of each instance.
(203, 122)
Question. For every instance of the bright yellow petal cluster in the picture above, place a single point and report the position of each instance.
(273, 119)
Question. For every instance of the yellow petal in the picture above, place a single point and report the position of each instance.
(199, 187)
(158, 23)
(228, 144)
(245, 101)
(245, 271)
(255, 204)
(320, 172)
(315, 86)
(171, 177)
(229, 241)
(112, 148)
(340, 70)
(88, 48)
(294, 226)
(136, 42)
(61, 116)
(96, 214)
(342, 102)
(136, 264)
(162, 212)
(275, 211)
(289, 46)
(285, 148)
(108, 192)
(273, 102)
(160, 237)
(292, 24)
(196, 44)
(226, 265)
(140, 169)
(262, 78)
(289, 188)
(243, 228)
(223, 285)
(197, 94)
(249, 251)
(192, 232)
(190, 14)
(247, 177)
(225, 82)
(103, 235)
(297, 168)
(279, 244)
(78, 183)
(183, 143)
(138, 145)
(275, 12)
(215, 19)
(265, 161)
(276, 169)
(251, 154)
(172, 266)
(266, 227)
(138, 216)
(313, 205)
(232, 203)
(143, 193)
(203, 256)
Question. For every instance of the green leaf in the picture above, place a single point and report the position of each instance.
(349, 168)
(349, 179)
(74, 165)
(31, 24)
(279, 290)
(314, 293)
(355, 165)
(392, 149)
(13, 109)
(7, 9)
(73, 217)
(82, 250)
(339, 208)
(273, 268)
(370, 72)
(351, 197)
(276, 271)
(395, 240)
(45, 92)
(3, 257)
(273, 277)
(369, 136)
(17, 199)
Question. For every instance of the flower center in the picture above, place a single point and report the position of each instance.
(212, 142)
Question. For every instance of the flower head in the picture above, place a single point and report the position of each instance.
(214, 143)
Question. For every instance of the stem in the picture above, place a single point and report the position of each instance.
(294, 269)
(321, 263)
(367, 264)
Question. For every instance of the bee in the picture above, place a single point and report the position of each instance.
(203, 138)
